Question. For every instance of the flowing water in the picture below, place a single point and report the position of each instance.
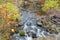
(29, 25)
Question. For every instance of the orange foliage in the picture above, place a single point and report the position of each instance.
(13, 23)
(3, 11)
(6, 17)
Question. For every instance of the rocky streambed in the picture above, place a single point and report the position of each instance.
(36, 30)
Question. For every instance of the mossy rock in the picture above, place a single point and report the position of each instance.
(22, 33)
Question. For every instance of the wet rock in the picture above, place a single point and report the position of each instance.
(39, 24)
(29, 24)
(28, 33)
(55, 20)
(54, 17)
(56, 32)
(34, 35)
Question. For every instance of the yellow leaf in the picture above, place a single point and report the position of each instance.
(12, 30)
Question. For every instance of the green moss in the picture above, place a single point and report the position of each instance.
(22, 33)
